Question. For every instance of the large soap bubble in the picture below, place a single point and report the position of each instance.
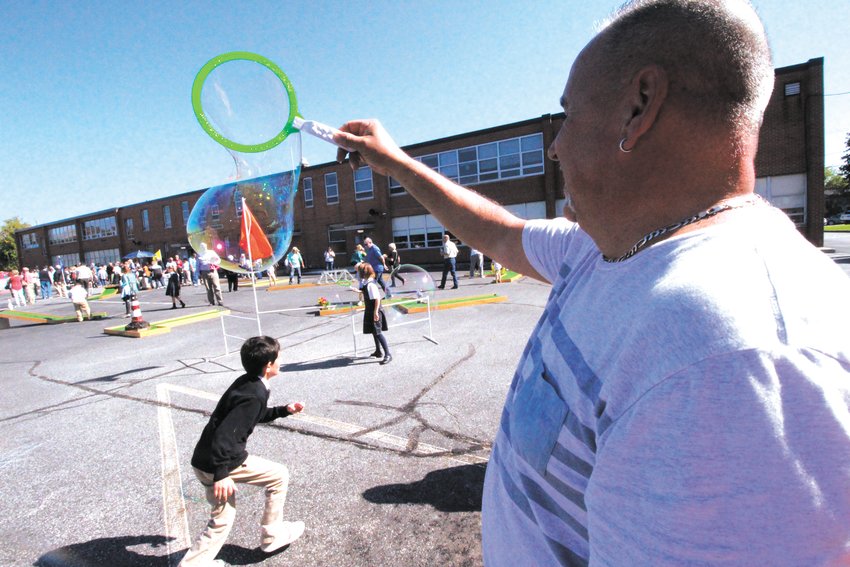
(415, 290)
(416, 283)
(217, 222)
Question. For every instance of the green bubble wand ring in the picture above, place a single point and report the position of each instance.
(294, 123)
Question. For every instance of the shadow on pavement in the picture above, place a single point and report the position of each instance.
(106, 551)
(336, 362)
(456, 489)
(116, 552)
(113, 377)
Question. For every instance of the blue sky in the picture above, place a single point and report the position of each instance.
(95, 96)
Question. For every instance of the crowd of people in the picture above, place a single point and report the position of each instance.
(41, 283)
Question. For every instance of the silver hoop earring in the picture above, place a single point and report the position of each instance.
(622, 149)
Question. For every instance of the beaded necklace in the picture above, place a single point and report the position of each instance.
(715, 210)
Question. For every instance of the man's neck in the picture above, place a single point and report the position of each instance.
(669, 193)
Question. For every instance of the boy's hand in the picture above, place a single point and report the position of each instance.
(294, 407)
(224, 489)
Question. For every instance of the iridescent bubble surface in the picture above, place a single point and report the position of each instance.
(217, 221)
(415, 291)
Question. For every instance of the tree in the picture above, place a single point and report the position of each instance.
(8, 250)
(833, 182)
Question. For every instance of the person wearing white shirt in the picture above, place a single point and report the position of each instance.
(449, 253)
(78, 295)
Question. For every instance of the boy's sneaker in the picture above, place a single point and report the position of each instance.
(289, 532)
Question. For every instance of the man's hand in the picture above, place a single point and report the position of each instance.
(224, 489)
(371, 146)
(294, 407)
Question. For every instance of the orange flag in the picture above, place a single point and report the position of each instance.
(252, 234)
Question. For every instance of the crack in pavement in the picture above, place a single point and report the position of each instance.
(407, 411)
(410, 410)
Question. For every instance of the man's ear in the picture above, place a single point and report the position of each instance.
(647, 93)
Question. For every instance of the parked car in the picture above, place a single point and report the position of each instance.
(832, 220)
(844, 218)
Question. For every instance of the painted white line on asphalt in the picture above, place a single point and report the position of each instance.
(173, 503)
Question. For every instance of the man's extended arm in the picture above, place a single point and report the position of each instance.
(474, 219)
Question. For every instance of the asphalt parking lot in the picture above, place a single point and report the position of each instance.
(386, 464)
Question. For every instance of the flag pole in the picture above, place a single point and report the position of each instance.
(251, 264)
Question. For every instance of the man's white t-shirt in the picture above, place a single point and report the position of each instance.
(688, 406)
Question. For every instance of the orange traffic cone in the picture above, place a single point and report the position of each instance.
(137, 322)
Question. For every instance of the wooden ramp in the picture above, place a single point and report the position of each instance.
(165, 326)
(453, 303)
(408, 307)
(42, 318)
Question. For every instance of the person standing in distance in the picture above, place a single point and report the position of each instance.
(208, 263)
(296, 262)
(330, 255)
(684, 397)
(449, 253)
(476, 262)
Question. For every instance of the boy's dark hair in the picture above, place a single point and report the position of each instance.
(257, 352)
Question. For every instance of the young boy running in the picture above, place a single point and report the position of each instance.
(220, 459)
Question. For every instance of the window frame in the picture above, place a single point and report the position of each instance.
(307, 183)
(360, 194)
(335, 185)
(166, 216)
(508, 158)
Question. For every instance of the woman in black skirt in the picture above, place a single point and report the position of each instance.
(172, 287)
(374, 320)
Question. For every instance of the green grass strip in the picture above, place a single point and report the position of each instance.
(837, 228)
(45, 317)
(108, 292)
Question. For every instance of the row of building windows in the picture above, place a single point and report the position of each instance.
(99, 228)
(166, 219)
(424, 231)
(513, 157)
(363, 188)
(29, 241)
(103, 257)
(417, 231)
(97, 257)
(62, 234)
(504, 159)
(72, 259)
(103, 228)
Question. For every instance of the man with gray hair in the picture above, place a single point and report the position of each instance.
(684, 397)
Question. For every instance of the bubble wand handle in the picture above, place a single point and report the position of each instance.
(317, 129)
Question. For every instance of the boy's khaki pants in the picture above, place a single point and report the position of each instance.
(256, 471)
(82, 309)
